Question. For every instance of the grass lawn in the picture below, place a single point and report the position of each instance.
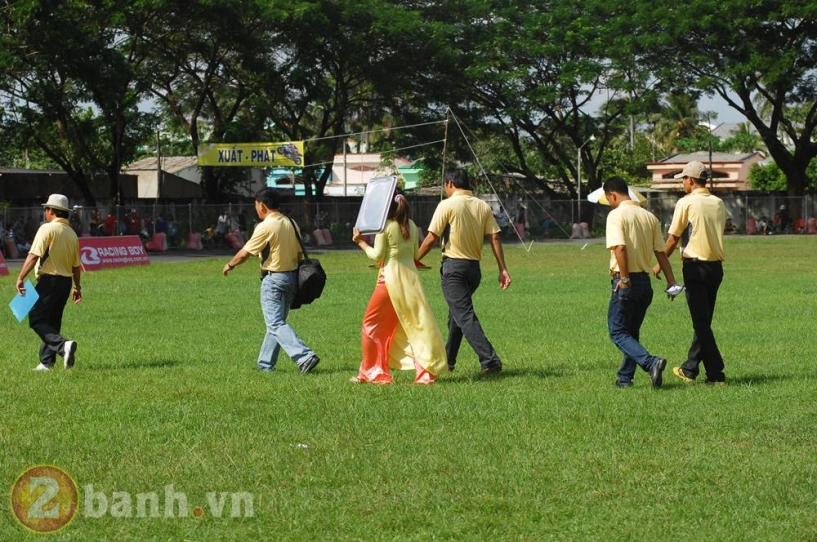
(164, 394)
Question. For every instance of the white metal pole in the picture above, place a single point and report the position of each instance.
(579, 183)
(579, 175)
(345, 171)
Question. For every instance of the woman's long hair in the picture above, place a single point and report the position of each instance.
(399, 211)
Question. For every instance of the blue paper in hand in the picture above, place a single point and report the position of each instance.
(21, 304)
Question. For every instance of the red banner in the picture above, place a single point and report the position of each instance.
(3, 269)
(105, 252)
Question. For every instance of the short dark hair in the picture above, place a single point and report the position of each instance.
(269, 197)
(59, 213)
(617, 185)
(458, 177)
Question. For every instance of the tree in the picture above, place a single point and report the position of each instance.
(679, 119)
(69, 86)
(529, 73)
(744, 139)
(770, 178)
(339, 66)
(767, 177)
(740, 50)
(207, 67)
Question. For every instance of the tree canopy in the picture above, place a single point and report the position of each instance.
(84, 85)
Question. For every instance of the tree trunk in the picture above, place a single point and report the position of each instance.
(82, 182)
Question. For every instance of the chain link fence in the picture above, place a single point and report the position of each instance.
(540, 219)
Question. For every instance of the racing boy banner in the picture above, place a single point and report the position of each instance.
(285, 154)
(104, 252)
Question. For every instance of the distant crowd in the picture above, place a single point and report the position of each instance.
(781, 223)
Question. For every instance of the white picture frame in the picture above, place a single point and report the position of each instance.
(374, 208)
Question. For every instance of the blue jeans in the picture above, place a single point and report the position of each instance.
(628, 307)
(277, 292)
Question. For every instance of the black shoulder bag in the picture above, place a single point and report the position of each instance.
(311, 276)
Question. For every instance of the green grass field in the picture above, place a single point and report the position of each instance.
(164, 393)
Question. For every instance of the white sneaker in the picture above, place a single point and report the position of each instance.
(70, 349)
(41, 367)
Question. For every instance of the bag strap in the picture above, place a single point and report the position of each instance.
(300, 242)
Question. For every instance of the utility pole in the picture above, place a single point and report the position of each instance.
(579, 176)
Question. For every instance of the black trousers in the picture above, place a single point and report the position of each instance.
(702, 280)
(45, 317)
(460, 279)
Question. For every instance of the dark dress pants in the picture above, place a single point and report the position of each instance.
(702, 280)
(45, 317)
(460, 279)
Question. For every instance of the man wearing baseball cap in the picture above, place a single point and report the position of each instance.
(698, 224)
(55, 255)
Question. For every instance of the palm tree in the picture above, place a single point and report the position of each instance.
(679, 118)
(745, 138)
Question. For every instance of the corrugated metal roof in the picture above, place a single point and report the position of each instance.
(703, 156)
(170, 164)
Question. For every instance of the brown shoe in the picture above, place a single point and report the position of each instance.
(491, 370)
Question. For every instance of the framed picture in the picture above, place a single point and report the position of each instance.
(375, 206)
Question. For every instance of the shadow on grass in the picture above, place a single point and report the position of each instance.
(466, 375)
(752, 379)
(131, 365)
(745, 380)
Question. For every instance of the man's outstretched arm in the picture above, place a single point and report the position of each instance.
(430, 240)
(499, 254)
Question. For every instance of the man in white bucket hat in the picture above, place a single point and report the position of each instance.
(55, 255)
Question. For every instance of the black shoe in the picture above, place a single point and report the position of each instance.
(451, 367)
(308, 365)
(656, 372)
(624, 384)
(492, 369)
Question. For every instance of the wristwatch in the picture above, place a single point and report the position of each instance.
(625, 280)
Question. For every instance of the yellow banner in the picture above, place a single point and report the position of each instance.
(287, 153)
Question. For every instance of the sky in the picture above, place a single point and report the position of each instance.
(725, 113)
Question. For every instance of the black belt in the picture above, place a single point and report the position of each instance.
(265, 273)
(618, 275)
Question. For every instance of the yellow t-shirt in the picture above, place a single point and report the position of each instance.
(639, 231)
(698, 221)
(274, 241)
(58, 248)
(470, 219)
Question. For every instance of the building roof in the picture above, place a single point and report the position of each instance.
(703, 156)
(24, 186)
(170, 164)
(726, 130)
(729, 171)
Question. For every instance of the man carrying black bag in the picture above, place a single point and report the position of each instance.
(276, 242)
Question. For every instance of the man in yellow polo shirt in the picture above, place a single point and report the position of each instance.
(698, 224)
(55, 254)
(633, 237)
(469, 220)
(275, 241)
